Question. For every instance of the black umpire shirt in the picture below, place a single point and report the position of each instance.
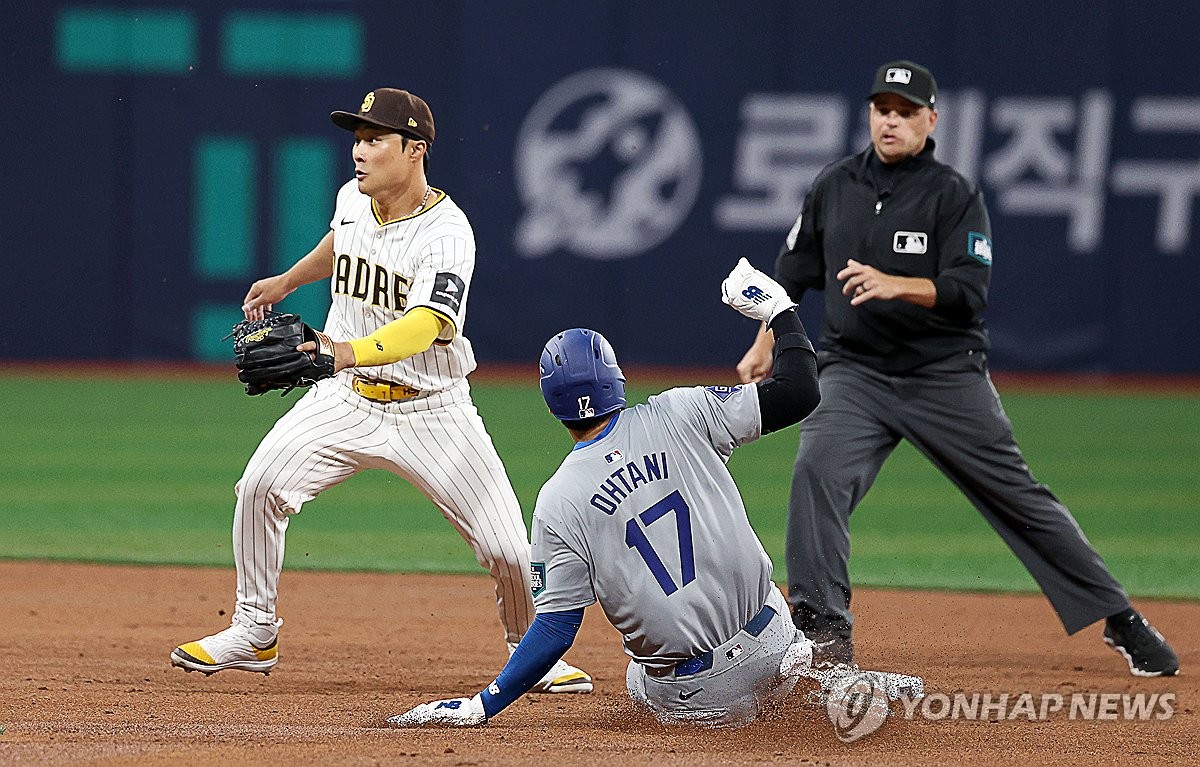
(915, 218)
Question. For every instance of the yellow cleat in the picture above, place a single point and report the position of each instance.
(244, 645)
(564, 678)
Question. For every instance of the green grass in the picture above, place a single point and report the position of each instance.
(118, 470)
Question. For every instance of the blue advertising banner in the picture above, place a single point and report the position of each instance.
(615, 158)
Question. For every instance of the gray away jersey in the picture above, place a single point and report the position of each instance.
(647, 520)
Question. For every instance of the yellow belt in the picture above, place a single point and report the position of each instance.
(384, 392)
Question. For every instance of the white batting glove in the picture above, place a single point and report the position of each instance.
(455, 712)
(754, 294)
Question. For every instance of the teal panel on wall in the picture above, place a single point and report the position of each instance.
(211, 323)
(224, 207)
(327, 45)
(305, 185)
(152, 41)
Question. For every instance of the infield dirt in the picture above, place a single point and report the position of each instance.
(85, 679)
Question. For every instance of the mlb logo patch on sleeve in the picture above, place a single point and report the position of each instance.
(722, 392)
(979, 247)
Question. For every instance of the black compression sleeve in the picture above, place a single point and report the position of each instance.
(792, 392)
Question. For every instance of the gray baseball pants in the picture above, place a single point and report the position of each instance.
(951, 413)
(739, 680)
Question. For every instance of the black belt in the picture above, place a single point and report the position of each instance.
(704, 661)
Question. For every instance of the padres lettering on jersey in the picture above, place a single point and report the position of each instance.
(359, 278)
(382, 269)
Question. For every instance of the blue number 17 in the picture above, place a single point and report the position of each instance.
(636, 538)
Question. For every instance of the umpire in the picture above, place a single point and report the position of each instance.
(901, 245)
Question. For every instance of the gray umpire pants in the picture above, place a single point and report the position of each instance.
(951, 413)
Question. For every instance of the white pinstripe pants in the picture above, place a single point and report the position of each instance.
(439, 444)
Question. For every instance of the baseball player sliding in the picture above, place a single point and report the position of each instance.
(399, 256)
(644, 517)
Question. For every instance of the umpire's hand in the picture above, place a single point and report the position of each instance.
(866, 283)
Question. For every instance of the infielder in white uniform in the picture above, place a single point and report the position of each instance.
(399, 255)
(644, 517)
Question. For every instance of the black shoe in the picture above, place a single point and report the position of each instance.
(836, 650)
(1144, 648)
(832, 638)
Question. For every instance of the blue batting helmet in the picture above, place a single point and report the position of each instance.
(580, 375)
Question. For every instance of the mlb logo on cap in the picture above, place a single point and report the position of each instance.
(908, 79)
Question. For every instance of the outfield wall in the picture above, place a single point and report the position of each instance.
(615, 158)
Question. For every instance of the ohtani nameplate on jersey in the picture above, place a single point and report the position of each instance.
(914, 243)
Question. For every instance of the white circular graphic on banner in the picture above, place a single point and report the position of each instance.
(608, 165)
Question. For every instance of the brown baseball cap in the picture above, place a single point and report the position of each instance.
(912, 81)
(393, 109)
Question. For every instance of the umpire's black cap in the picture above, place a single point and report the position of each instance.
(393, 109)
(912, 81)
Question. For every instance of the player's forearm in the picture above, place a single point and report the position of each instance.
(267, 292)
(547, 640)
(399, 339)
(792, 392)
(317, 264)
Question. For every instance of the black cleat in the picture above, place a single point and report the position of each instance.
(1146, 651)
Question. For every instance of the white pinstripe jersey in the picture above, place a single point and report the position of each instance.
(383, 268)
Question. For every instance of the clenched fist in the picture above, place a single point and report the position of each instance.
(754, 294)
